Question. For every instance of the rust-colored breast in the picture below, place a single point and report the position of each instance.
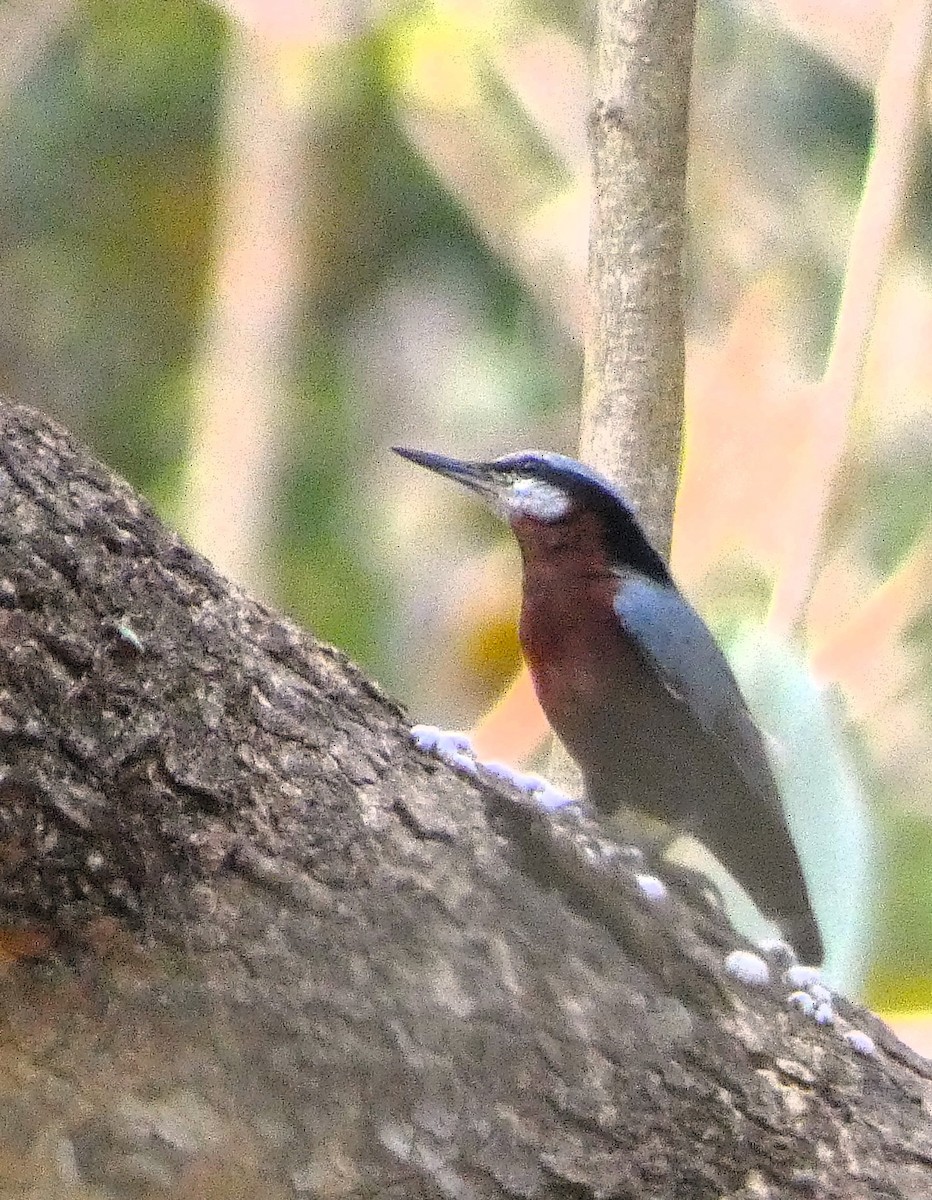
(569, 632)
(603, 699)
(571, 641)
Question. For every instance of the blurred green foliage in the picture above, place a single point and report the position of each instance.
(105, 223)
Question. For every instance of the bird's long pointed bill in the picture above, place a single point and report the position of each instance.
(471, 475)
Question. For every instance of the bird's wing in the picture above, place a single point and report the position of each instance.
(753, 842)
(674, 641)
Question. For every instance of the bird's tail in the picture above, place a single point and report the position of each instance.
(758, 851)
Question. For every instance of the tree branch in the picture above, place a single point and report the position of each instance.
(257, 944)
(633, 401)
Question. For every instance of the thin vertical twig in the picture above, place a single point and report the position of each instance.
(639, 126)
(899, 103)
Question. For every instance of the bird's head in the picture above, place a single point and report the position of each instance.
(550, 489)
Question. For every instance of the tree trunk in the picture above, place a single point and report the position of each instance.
(639, 135)
(258, 945)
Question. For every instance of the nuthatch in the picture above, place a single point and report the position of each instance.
(631, 679)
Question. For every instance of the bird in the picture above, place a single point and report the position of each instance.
(632, 680)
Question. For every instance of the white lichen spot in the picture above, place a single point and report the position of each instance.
(791, 1068)
(528, 782)
(66, 1160)
(128, 635)
(820, 993)
(789, 1095)
(756, 1185)
(454, 741)
(795, 1101)
(425, 736)
(550, 798)
(453, 746)
(397, 1139)
(610, 851)
(824, 1015)
(799, 976)
(748, 968)
(462, 762)
(803, 1001)
(652, 887)
(861, 1042)
(500, 770)
(410, 1145)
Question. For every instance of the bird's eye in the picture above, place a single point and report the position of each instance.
(535, 498)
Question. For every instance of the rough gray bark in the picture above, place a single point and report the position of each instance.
(261, 946)
(633, 396)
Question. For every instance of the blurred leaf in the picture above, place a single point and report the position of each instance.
(898, 370)
(106, 202)
(822, 797)
(851, 33)
(751, 436)
(455, 69)
(863, 639)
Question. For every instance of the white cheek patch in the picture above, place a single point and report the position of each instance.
(535, 498)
